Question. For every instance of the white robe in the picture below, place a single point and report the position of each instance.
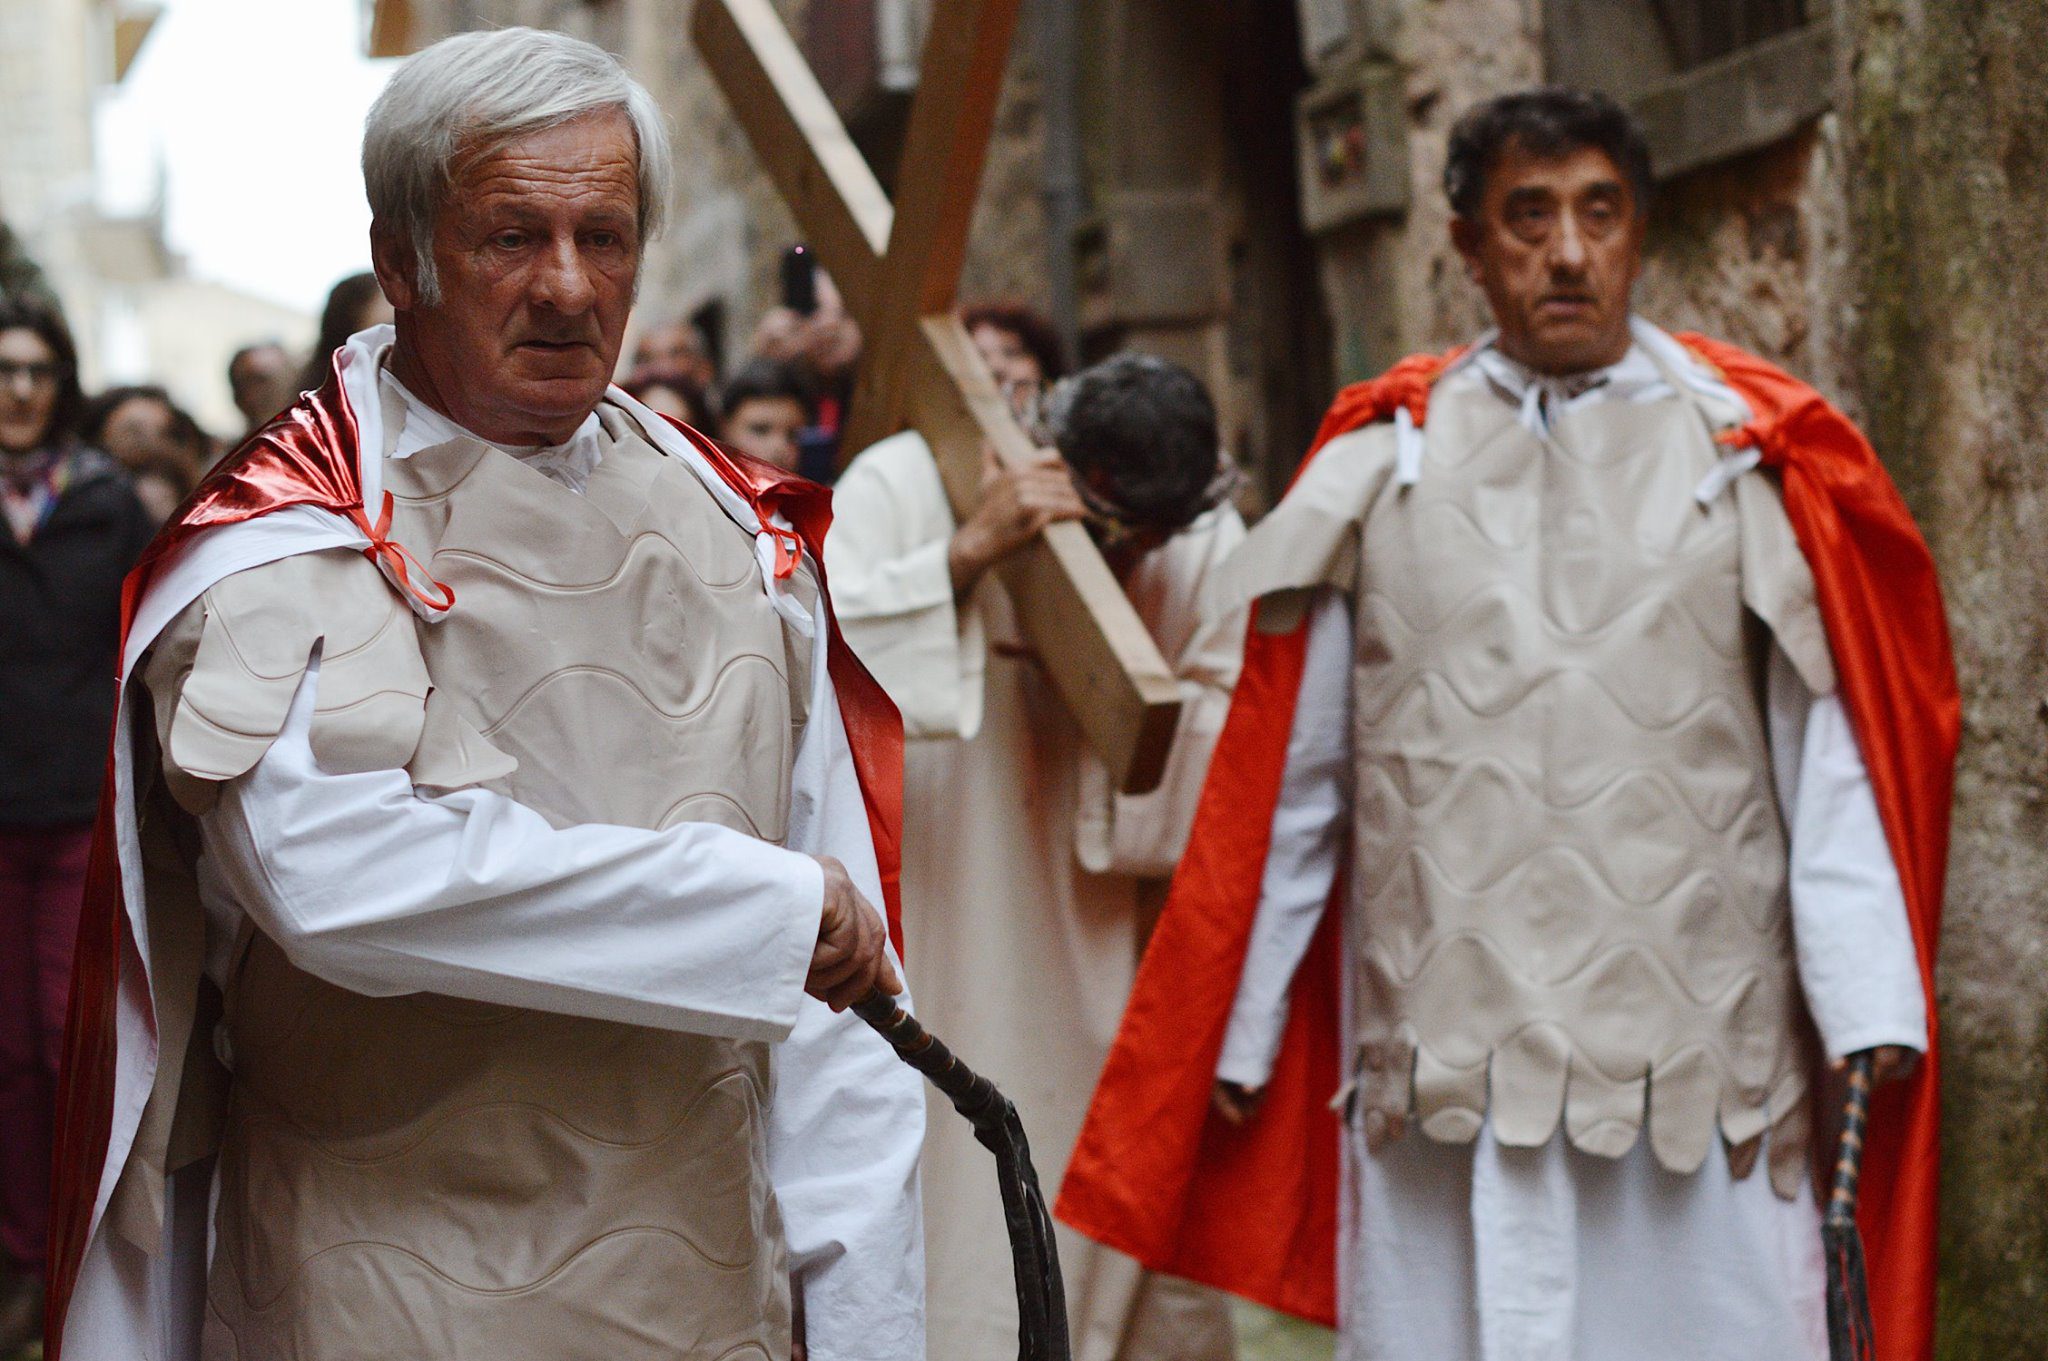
(395, 891)
(1024, 909)
(1483, 1253)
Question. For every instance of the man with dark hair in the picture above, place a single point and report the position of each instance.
(1138, 434)
(1028, 883)
(763, 411)
(675, 347)
(1598, 701)
(1549, 124)
(138, 421)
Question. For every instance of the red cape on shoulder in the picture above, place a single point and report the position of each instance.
(1253, 1209)
(308, 456)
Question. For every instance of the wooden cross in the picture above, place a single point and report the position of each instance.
(898, 267)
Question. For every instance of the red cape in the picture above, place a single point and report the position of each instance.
(1253, 1210)
(308, 456)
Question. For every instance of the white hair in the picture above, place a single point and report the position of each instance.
(475, 91)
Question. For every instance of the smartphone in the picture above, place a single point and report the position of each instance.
(800, 280)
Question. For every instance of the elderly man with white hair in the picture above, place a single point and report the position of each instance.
(497, 834)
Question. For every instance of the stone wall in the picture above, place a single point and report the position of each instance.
(1949, 187)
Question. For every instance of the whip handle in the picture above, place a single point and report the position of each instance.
(1849, 1153)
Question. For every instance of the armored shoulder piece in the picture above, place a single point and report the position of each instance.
(223, 674)
(1777, 583)
(1311, 537)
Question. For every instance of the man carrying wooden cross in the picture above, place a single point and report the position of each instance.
(1028, 882)
(966, 579)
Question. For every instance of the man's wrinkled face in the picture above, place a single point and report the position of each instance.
(1556, 248)
(538, 249)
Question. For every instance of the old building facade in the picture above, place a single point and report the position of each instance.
(1851, 187)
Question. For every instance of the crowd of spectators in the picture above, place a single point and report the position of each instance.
(786, 401)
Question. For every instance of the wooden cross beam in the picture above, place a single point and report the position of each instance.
(898, 267)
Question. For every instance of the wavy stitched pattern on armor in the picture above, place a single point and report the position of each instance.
(678, 716)
(612, 1202)
(640, 1272)
(648, 541)
(636, 736)
(321, 1145)
(1568, 863)
(538, 1162)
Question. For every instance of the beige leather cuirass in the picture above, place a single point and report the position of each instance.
(423, 1176)
(1568, 876)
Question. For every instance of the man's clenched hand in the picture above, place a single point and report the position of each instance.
(1890, 1063)
(852, 956)
(1015, 504)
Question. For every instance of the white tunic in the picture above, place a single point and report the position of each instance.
(1024, 906)
(470, 894)
(1454, 1252)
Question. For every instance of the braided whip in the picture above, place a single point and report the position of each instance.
(1849, 1330)
(1041, 1295)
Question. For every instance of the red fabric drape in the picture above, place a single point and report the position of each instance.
(1254, 1210)
(874, 728)
(1882, 601)
(307, 455)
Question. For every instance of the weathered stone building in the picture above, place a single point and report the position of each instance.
(1852, 187)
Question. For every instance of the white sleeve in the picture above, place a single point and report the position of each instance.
(1855, 949)
(379, 889)
(845, 1131)
(892, 592)
(1308, 835)
(1145, 834)
(846, 1122)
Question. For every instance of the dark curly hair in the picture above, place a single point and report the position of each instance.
(27, 312)
(1140, 434)
(1546, 122)
(764, 379)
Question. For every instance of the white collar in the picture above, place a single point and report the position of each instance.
(1645, 374)
(361, 366)
(569, 463)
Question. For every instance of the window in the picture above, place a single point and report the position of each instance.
(1710, 79)
(1701, 30)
